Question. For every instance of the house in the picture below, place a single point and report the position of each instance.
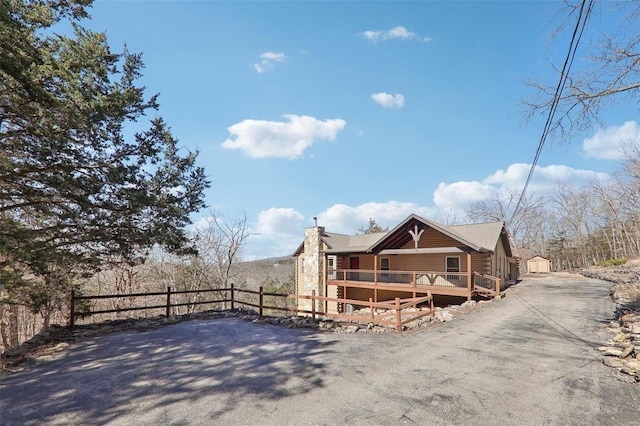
(538, 264)
(415, 257)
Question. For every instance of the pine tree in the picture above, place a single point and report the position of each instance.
(76, 189)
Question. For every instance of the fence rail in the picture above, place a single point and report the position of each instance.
(379, 311)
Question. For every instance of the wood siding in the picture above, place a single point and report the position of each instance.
(432, 239)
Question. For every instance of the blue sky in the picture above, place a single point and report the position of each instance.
(351, 110)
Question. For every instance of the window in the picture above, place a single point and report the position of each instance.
(385, 264)
(331, 267)
(452, 265)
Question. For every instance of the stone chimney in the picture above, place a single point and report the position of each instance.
(311, 276)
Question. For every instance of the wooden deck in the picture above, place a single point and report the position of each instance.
(459, 284)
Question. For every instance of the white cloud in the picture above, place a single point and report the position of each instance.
(458, 194)
(544, 178)
(277, 232)
(611, 143)
(398, 32)
(387, 100)
(371, 35)
(279, 221)
(289, 139)
(346, 219)
(268, 61)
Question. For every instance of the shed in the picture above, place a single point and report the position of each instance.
(538, 264)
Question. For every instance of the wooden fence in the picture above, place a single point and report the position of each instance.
(382, 313)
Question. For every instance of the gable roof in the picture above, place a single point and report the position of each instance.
(486, 234)
(399, 235)
(537, 256)
(479, 237)
(338, 243)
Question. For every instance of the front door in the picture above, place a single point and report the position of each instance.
(354, 263)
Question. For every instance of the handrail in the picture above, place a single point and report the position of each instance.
(486, 278)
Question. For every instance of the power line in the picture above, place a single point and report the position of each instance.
(571, 54)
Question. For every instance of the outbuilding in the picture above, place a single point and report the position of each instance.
(538, 264)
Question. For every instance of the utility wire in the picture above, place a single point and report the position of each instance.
(571, 54)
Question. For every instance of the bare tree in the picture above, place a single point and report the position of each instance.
(220, 240)
(608, 74)
(520, 224)
(451, 216)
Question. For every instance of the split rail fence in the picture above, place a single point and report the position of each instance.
(387, 313)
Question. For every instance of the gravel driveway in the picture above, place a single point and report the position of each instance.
(527, 360)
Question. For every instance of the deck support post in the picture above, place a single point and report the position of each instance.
(375, 277)
(469, 285)
(375, 269)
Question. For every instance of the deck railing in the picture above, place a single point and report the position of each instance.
(487, 282)
(412, 278)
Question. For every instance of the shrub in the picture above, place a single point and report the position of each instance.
(612, 262)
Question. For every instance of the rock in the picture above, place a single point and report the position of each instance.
(626, 351)
(306, 325)
(326, 325)
(634, 328)
(614, 324)
(630, 318)
(633, 364)
(610, 351)
(351, 329)
(444, 316)
(60, 347)
(614, 362)
(15, 351)
(621, 337)
(632, 367)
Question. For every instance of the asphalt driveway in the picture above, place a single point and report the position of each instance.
(528, 359)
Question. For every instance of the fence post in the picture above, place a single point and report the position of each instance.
(371, 307)
(433, 312)
(398, 315)
(72, 317)
(168, 301)
(232, 302)
(498, 287)
(261, 300)
(313, 306)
